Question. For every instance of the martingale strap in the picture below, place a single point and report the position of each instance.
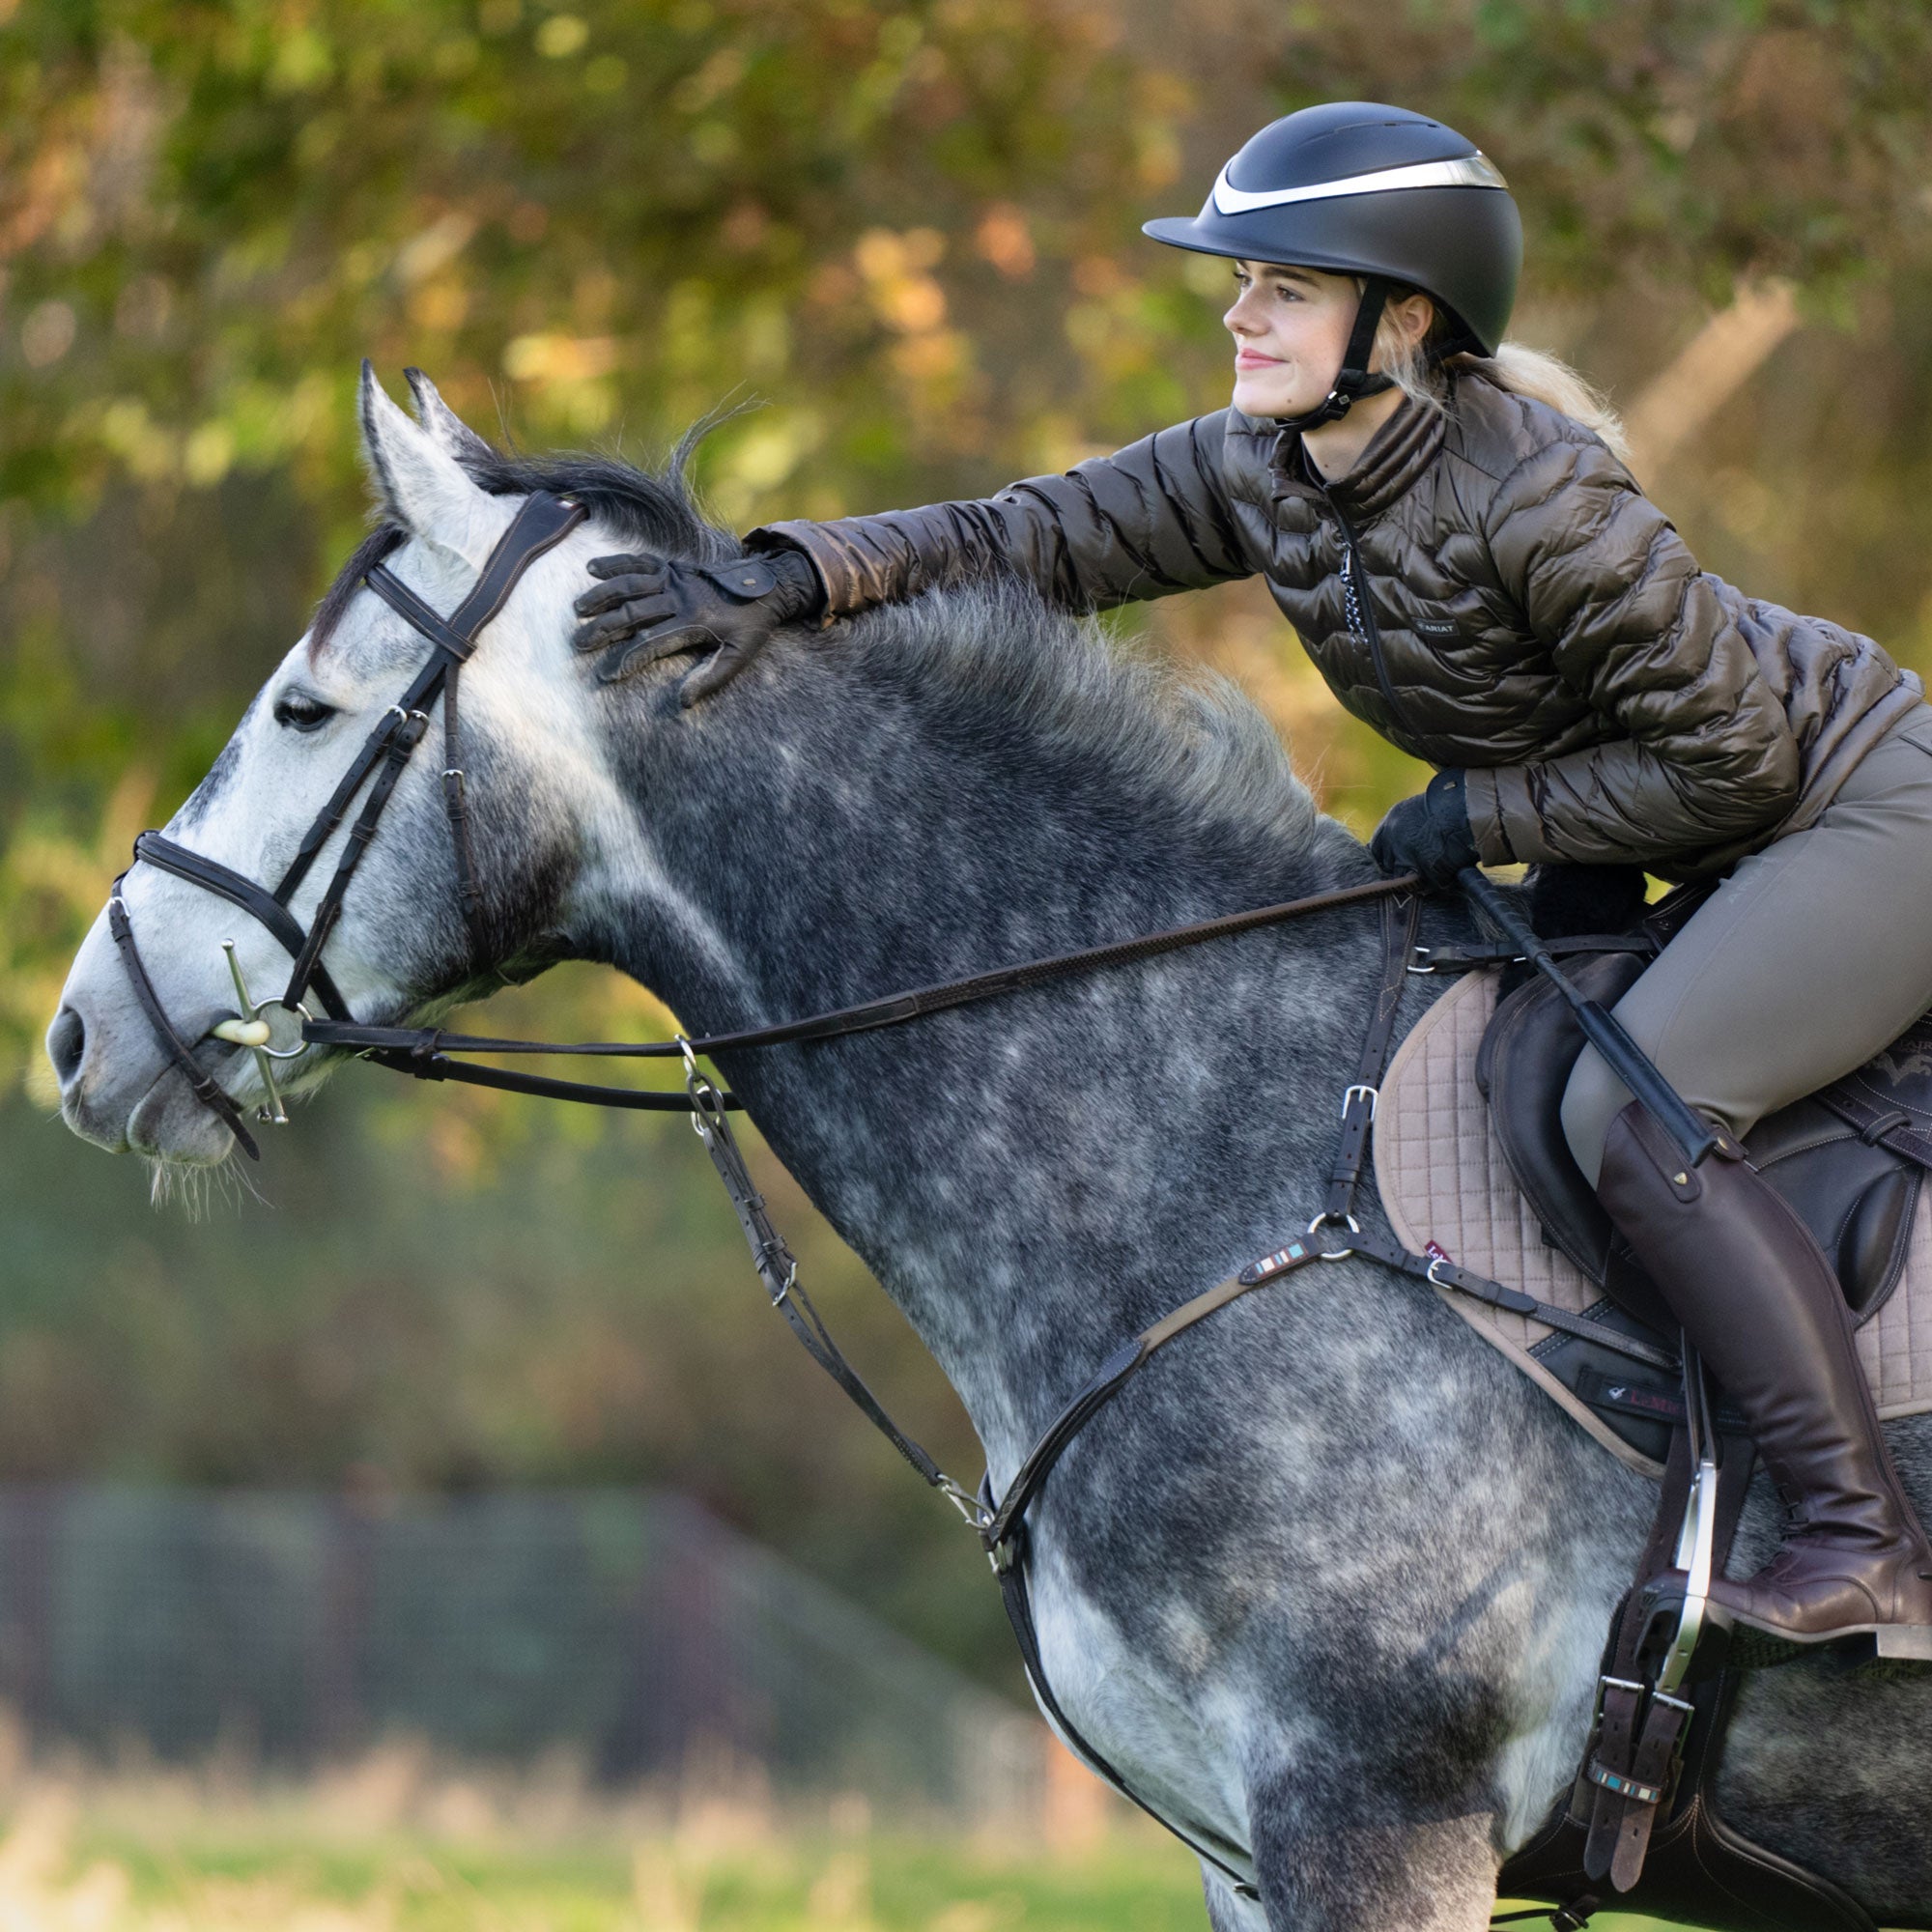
(1401, 917)
(1001, 1521)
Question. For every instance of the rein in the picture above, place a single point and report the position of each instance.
(422, 1050)
(999, 1522)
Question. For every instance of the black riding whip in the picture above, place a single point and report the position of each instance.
(1626, 1059)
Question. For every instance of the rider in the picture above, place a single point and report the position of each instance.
(1444, 519)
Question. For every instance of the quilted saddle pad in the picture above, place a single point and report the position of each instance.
(1443, 1178)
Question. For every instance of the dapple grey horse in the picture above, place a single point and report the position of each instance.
(1329, 1580)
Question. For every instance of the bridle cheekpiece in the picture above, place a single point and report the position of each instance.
(540, 524)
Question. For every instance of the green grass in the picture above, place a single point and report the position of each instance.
(381, 1847)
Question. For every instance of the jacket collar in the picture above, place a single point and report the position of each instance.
(1397, 455)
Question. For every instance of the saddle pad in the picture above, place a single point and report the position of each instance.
(1443, 1179)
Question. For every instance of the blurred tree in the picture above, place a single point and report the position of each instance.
(607, 219)
(1667, 142)
(913, 226)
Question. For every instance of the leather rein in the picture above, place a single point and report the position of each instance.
(1335, 1233)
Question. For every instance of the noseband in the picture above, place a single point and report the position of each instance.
(539, 526)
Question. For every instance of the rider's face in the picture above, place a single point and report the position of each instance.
(1290, 327)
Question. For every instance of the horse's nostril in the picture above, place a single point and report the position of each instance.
(67, 1045)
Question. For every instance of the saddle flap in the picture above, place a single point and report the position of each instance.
(1850, 1159)
(1889, 1098)
(1523, 1068)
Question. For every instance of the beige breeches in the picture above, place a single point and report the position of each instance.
(1811, 956)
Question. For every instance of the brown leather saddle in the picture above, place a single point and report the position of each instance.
(1850, 1158)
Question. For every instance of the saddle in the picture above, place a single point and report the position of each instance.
(1472, 1164)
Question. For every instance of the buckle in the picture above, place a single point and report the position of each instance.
(1361, 1089)
(1606, 1684)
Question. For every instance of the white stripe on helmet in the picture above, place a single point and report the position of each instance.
(1469, 171)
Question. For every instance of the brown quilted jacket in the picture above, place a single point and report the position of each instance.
(1488, 588)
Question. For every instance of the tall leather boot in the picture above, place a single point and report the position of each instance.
(1762, 1305)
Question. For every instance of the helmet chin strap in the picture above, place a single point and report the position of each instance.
(1353, 380)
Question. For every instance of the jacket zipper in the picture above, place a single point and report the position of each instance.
(1361, 616)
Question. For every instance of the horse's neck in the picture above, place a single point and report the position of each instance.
(1034, 1179)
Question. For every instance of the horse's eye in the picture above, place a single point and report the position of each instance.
(301, 712)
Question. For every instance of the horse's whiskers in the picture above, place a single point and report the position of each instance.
(194, 1189)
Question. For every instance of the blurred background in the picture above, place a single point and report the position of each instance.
(441, 1530)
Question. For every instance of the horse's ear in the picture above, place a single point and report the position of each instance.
(447, 429)
(420, 485)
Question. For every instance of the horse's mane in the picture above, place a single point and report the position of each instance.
(1091, 707)
(993, 655)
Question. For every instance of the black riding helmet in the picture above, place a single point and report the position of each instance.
(1374, 191)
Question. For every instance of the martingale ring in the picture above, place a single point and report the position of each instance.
(1322, 1221)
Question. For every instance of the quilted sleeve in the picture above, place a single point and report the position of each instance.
(1704, 753)
(1149, 520)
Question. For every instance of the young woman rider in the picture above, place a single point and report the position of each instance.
(1477, 575)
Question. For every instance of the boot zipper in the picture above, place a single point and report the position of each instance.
(1361, 616)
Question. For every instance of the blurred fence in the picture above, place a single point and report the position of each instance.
(633, 1628)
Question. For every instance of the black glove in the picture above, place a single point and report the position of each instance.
(649, 607)
(1428, 835)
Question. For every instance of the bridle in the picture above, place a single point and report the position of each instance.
(999, 1521)
(541, 524)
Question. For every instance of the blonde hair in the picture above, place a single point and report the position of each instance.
(1516, 367)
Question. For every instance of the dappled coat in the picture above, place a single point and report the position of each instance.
(1488, 587)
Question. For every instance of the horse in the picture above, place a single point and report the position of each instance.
(1328, 1583)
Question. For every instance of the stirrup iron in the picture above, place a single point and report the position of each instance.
(1697, 1538)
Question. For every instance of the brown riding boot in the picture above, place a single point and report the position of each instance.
(1763, 1307)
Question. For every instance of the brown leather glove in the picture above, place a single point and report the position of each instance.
(648, 607)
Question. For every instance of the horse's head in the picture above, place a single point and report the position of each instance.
(402, 945)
